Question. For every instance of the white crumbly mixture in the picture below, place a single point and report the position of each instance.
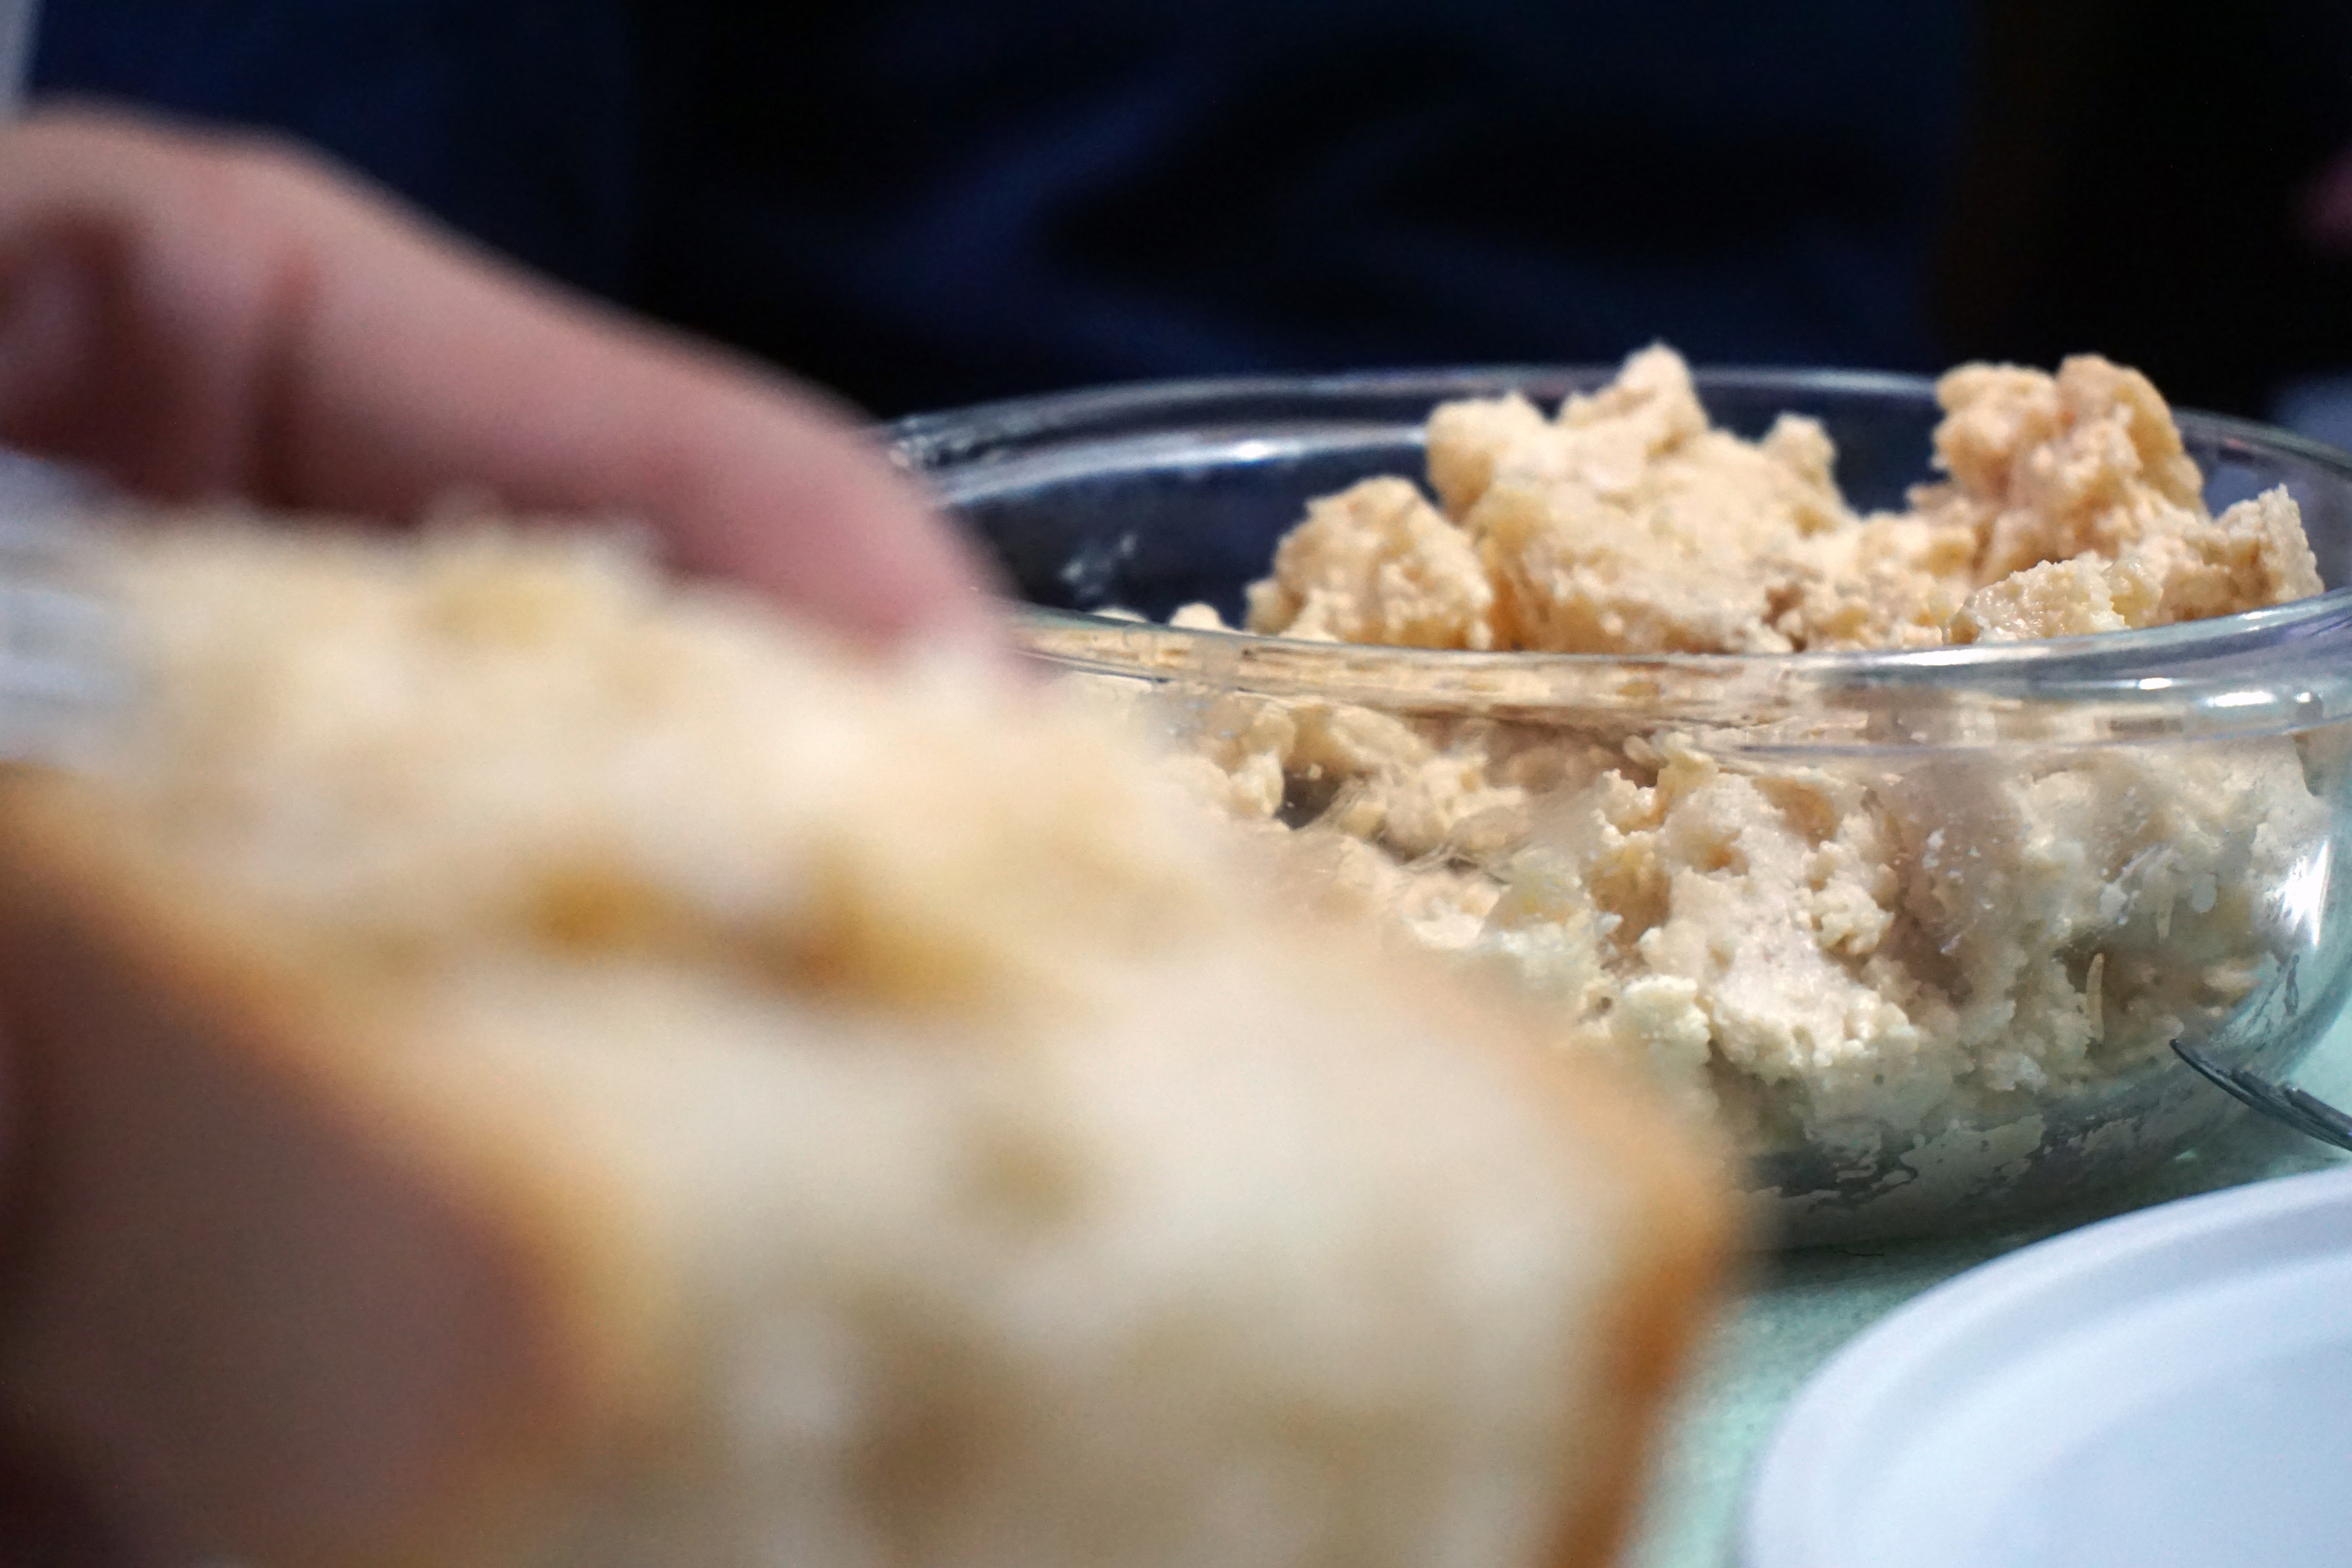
(1800, 948)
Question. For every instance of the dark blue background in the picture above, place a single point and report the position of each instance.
(925, 203)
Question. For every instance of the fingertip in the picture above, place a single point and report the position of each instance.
(766, 484)
(47, 327)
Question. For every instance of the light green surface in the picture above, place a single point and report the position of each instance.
(1807, 1305)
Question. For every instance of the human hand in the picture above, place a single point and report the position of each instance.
(2326, 216)
(197, 315)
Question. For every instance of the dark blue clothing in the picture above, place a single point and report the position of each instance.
(925, 203)
(929, 202)
(937, 202)
(514, 119)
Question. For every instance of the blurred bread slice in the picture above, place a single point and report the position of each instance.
(522, 1064)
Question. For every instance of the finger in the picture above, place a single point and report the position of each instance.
(2328, 206)
(203, 315)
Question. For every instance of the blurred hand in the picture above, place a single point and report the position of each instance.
(2328, 206)
(198, 315)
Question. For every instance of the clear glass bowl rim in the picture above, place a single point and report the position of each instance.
(2191, 679)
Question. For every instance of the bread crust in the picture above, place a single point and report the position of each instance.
(271, 1296)
(1683, 1231)
(295, 1294)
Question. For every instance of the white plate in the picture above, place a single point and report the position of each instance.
(2174, 1386)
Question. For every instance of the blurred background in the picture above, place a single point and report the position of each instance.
(924, 203)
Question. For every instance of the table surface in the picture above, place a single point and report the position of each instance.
(1805, 1306)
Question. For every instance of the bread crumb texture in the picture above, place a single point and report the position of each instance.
(1022, 1183)
(1879, 945)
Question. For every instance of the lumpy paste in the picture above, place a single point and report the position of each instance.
(1886, 937)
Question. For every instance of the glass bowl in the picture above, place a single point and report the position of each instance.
(2096, 844)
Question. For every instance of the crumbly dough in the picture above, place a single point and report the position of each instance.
(1625, 524)
(1379, 564)
(1870, 941)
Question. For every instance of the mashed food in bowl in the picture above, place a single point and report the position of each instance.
(1823, 951)
(1626, 525)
